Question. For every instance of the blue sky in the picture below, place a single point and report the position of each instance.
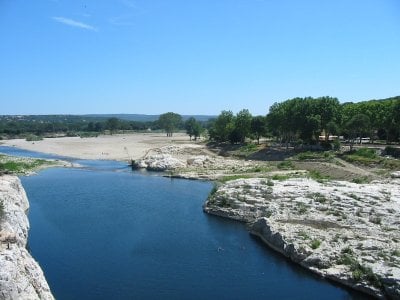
(193, 57)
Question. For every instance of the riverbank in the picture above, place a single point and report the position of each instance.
(343, 231)
(20, 275)
(122, 147)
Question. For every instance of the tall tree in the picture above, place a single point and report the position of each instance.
(193, 128)
(169, 122)
(258, 127)
(242, 126)
(222, 127)
(357, 127)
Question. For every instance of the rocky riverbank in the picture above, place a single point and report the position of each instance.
(20, 275)
(343, 231)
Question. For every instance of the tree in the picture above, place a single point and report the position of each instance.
(357, 126)
(258, 127)
(112, 124)
(222, 127)
(193, 128)
(242, 125)
(329, 110)
(169, 122)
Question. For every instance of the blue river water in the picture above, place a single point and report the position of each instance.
(105, 232)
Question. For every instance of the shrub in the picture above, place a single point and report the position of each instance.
(280, 177)
(32, 138)
(286, 165)
(395, 152)
(315, 244)
(366, 152)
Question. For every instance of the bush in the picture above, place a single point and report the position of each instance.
(395, 152)
(315, 244)
(286, 165)
(32, 138)
(366, 152)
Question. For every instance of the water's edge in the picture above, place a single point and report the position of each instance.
(20, 275)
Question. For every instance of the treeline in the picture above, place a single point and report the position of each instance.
(42, 126)
(304, 120)
(13, 127)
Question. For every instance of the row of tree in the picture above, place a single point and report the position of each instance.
(304, 120)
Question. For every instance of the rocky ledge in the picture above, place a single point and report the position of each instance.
(343, 231)
(20, 275)
(193, 162)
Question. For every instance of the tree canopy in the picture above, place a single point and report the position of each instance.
(170, 122)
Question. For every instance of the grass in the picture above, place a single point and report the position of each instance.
(315, 244)
(364, 156)
(280, 177)
(360, 180)
(317, 175)
(233, 177)
(286, 165)
(317, 155)
(17, 165)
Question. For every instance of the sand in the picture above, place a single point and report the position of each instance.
(123, 147)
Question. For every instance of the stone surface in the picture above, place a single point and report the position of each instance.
(344, 231)
(20, 275)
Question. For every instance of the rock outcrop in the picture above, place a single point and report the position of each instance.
(20, 275)
(344, 231)
(193, 162)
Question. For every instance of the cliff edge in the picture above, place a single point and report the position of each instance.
(20, 275)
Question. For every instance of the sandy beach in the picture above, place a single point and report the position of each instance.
(122, 147)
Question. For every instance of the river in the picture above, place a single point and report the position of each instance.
(103, 231)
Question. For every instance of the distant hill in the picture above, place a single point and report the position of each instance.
(145, 118)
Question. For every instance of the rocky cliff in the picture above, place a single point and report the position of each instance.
(344, 231)
(20, 275)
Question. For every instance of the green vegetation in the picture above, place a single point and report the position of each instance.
(234, 177)
(170, 122)
(280, 177)
(17, 165)
(304, 235)
(315, 244)
(359, 272)
(360, 180)
(193, 128)
(363, 156)
(33, 137)
(286, 165)
(317, 176)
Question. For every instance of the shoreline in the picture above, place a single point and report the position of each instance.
(313, 225)
(21, 277)
(194, 162)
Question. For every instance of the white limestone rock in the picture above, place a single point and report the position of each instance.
(20, 275)
(344, 231)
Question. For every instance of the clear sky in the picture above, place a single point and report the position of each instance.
(193, 56)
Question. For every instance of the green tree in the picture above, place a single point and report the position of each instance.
(193, 128)
(357, 127)
(169, 122)
(112, 124)
(242, 126)
(222, 127)
(258, 127)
